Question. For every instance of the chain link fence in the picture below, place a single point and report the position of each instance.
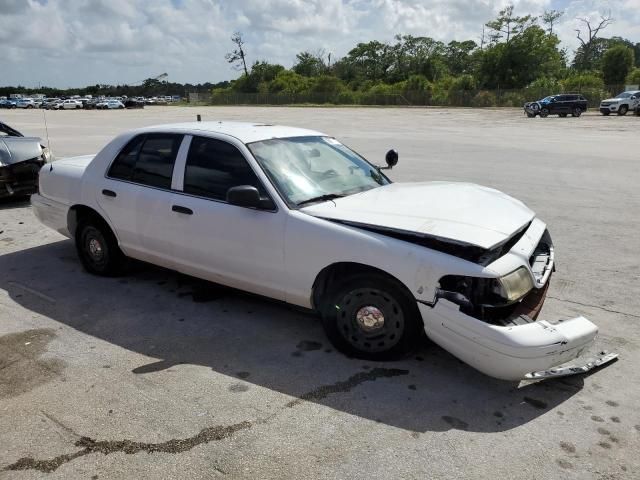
(443, 98)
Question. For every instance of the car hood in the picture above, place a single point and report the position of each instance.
(459, 212)
(19, 149)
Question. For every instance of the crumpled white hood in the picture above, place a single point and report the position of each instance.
(462, 212)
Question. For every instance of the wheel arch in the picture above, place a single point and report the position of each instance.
(79, 212)
(328, 274)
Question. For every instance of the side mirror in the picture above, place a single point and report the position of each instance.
(391, 158)
(248, 196)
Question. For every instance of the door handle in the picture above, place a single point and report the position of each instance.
(109, 193)
(179, 209)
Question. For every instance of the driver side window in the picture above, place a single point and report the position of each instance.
(214, 166)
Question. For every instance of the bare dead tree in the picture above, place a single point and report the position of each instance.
(593, 30)
(585, 53)
(237, 57)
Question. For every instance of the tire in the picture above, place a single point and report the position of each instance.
(576, 112)
(98, 248)
(606, 114)
(531, 115)
(363, 298)
(622, 111)
(544, 113)
(562, 115)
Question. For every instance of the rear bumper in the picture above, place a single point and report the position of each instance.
(51, 213)
(514, 352)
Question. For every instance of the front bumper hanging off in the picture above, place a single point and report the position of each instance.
(584, 366)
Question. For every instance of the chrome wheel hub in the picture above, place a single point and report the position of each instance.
(370, 318)
(95, 249)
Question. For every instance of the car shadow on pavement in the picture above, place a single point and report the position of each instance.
(7, 203)
(174, 320)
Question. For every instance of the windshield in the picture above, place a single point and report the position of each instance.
(548, 99)
(303, 168)
(624, 95)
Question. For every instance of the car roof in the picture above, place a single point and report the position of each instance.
(246, 132)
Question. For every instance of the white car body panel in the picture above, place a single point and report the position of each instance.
(280, 253)
(457, 211)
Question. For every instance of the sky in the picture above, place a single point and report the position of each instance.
(73, 43)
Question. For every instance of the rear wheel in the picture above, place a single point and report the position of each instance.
(98, 248)
(576, 112)
(372, 316)
(622, 111)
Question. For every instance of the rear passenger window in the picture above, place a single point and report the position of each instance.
(148, 159)
(214, 166)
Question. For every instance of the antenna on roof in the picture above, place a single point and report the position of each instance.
(46, 128)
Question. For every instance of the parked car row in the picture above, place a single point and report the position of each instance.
(100, 103)
(575, 105)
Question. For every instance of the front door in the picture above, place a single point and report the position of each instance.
(236, 246)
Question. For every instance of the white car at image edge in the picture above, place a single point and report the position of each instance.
(295, 215)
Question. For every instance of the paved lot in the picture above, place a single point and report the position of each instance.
(157, 376)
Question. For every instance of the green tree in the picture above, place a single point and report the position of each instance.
(550, 18)
(634, 77)
(459, 56)
(507, 25)
(529, 55)
(289, 82)
(617, 62)
(309, 64)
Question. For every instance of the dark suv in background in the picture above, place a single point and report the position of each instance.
(562, 105)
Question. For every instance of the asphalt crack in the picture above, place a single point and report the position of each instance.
(130, 447)
(210, 434)
(346, 385)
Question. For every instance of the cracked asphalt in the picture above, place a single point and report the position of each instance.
(158, 375)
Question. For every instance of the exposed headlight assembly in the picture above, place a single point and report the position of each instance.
(470, 292)
(514, 286)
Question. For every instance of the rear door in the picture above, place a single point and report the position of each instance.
(136, 195)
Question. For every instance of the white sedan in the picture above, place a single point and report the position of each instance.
(297, 216)
(110, 105)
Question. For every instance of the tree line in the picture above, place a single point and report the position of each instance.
(514, 52)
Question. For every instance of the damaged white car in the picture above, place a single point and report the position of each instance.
(295, 215)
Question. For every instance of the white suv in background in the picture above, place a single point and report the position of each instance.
(621, 104)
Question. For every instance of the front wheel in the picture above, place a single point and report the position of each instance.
(544, 113)
(622, 111)
(98, 248)
(576, 112)
(372, 317)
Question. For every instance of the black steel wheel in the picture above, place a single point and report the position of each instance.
(98, 248)
(372, 316)
(576, 112)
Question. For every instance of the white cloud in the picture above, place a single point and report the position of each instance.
(78, 42)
